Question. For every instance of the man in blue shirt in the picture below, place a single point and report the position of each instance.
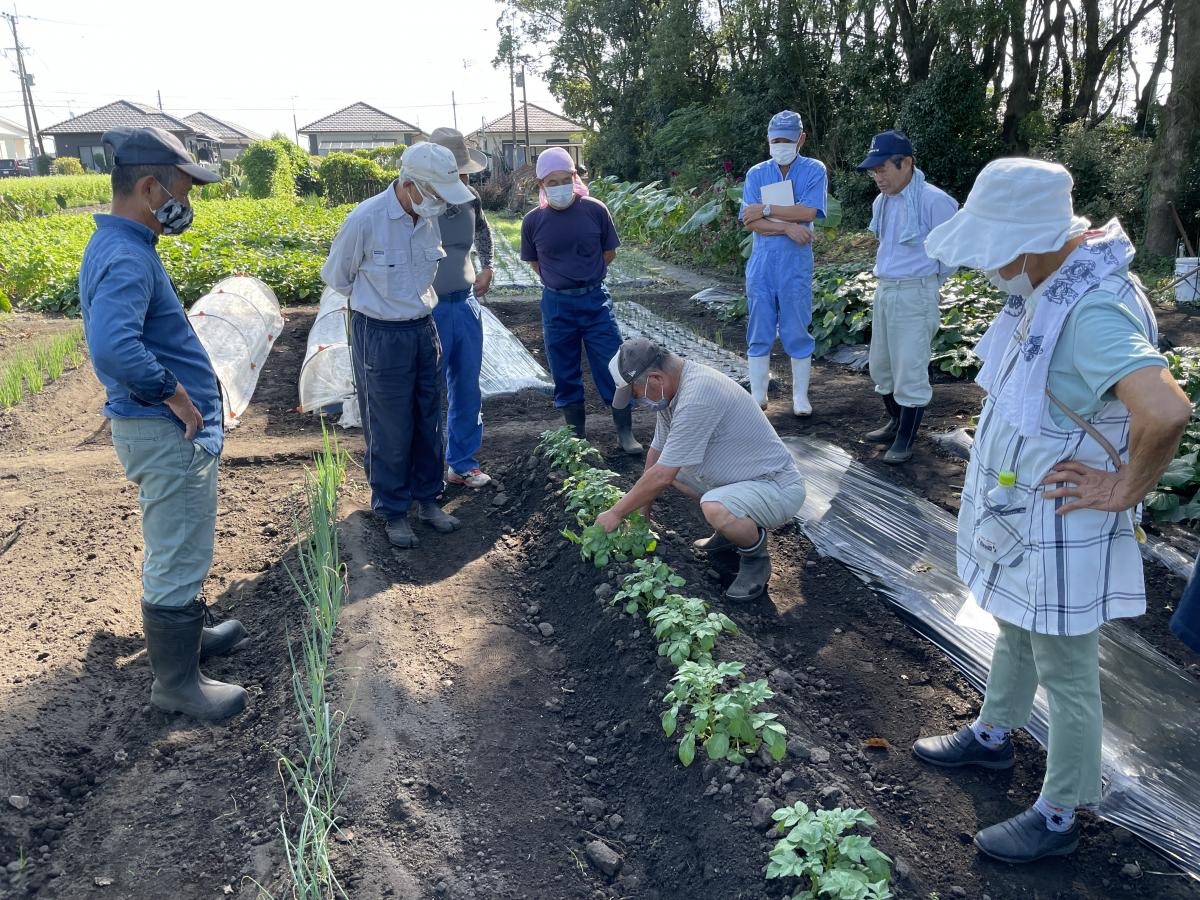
(779, 273)
(569, 240)
(164, 402)
(905, 315)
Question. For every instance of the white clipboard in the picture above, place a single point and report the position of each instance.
(778, 194)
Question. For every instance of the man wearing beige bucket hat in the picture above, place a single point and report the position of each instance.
(1047, 529)
(459, 320)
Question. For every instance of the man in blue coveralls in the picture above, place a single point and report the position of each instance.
(779, 273)
(164, 402)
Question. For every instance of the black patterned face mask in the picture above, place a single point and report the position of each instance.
(173, 216)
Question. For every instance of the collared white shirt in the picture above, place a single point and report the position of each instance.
(384, 262)
(897, 260)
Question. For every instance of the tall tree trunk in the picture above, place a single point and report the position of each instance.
(1096, 54)
(1150, 92)
(1179, 135)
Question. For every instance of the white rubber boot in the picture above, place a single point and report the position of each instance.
(760, 377)
(801, 369)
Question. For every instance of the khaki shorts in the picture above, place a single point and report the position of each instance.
(770, 504)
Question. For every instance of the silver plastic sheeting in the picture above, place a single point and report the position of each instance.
(237, 321)
(507, 366)
(327, 374)
(635, 320)
(856, 356)
(903, 547)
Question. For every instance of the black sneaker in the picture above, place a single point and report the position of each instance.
(952, 751)
(1025, 838)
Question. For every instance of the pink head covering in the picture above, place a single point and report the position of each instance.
(556, 159)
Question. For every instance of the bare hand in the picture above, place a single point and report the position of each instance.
(752, 213)
(181, 404)
(483, 283)
(608, 520)
(801, 234)
(1090, 488)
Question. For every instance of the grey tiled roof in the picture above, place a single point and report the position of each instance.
(358, 117)
(120, 112)
(539, 120)
(226, 132)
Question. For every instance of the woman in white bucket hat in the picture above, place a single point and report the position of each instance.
(1048, 522)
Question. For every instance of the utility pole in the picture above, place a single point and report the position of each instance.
(26, 96)
(454, 106)
(525, 103)
(160, 109)
(295, 125)
(512, 95)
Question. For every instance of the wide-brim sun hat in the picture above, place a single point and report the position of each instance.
(1016, 206)
(469, 161)
(433, 164)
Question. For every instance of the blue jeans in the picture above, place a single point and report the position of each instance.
(177, 490)
(569, 321)
(398, 373)
(460, 329)
(1185, 624)
(779, 299)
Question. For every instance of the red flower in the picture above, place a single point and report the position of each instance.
(727, 165)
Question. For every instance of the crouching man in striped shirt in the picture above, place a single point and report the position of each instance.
(713, 443)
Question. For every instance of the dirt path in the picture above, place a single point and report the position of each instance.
(502, 718)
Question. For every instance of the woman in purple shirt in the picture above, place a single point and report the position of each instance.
(569, 240)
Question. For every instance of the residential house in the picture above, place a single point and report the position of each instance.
(14, 140)
(81, 136)
(358, 126)
(546, 129)
(232, 139)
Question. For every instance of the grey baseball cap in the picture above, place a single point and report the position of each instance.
(631, 362)
(154, 147)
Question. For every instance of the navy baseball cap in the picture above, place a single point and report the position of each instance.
(154, 147)
(884, 146)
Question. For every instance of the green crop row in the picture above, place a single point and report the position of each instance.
(710, 704)
(42, 363)
(281, 242)
(23, 198)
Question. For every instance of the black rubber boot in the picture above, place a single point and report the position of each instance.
(400, 534)
(218, 639)
(901, 450)
(714, 543)
(173, 644)
(754, 570)
(575, 416)
(887, 433)
(436, 517)
(623, 419)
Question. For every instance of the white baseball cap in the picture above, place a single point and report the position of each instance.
(1016, 206)
(434, 165)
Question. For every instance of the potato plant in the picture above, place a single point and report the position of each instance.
(724, 722)
(590, 492)
(685, 629)
(831, 863)
(647, 585)
(632, 540)
(566, 452)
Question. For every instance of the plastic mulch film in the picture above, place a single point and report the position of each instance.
(635, 320)
(327, 375)
(856, 356)
(717, 299)
(237, 321)
(904, 548)
(507, 366)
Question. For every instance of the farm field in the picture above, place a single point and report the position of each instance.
(502, 716)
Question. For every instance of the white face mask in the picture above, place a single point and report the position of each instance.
(1020, 284)
(784, 154)
(561, 195)
(430, 206)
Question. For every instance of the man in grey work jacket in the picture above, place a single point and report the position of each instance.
(165, 406)
(459, 319)
(384, 259)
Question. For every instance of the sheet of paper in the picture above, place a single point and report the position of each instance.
(778, 194)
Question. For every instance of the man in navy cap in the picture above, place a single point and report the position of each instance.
(779, 273)
(905, 315)
(164, 402)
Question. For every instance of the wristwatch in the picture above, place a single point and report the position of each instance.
(766, 210)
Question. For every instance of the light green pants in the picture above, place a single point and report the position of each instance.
(904, 319)
(1068, 668)
(177, 490)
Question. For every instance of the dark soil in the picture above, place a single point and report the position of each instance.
(482, 754)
